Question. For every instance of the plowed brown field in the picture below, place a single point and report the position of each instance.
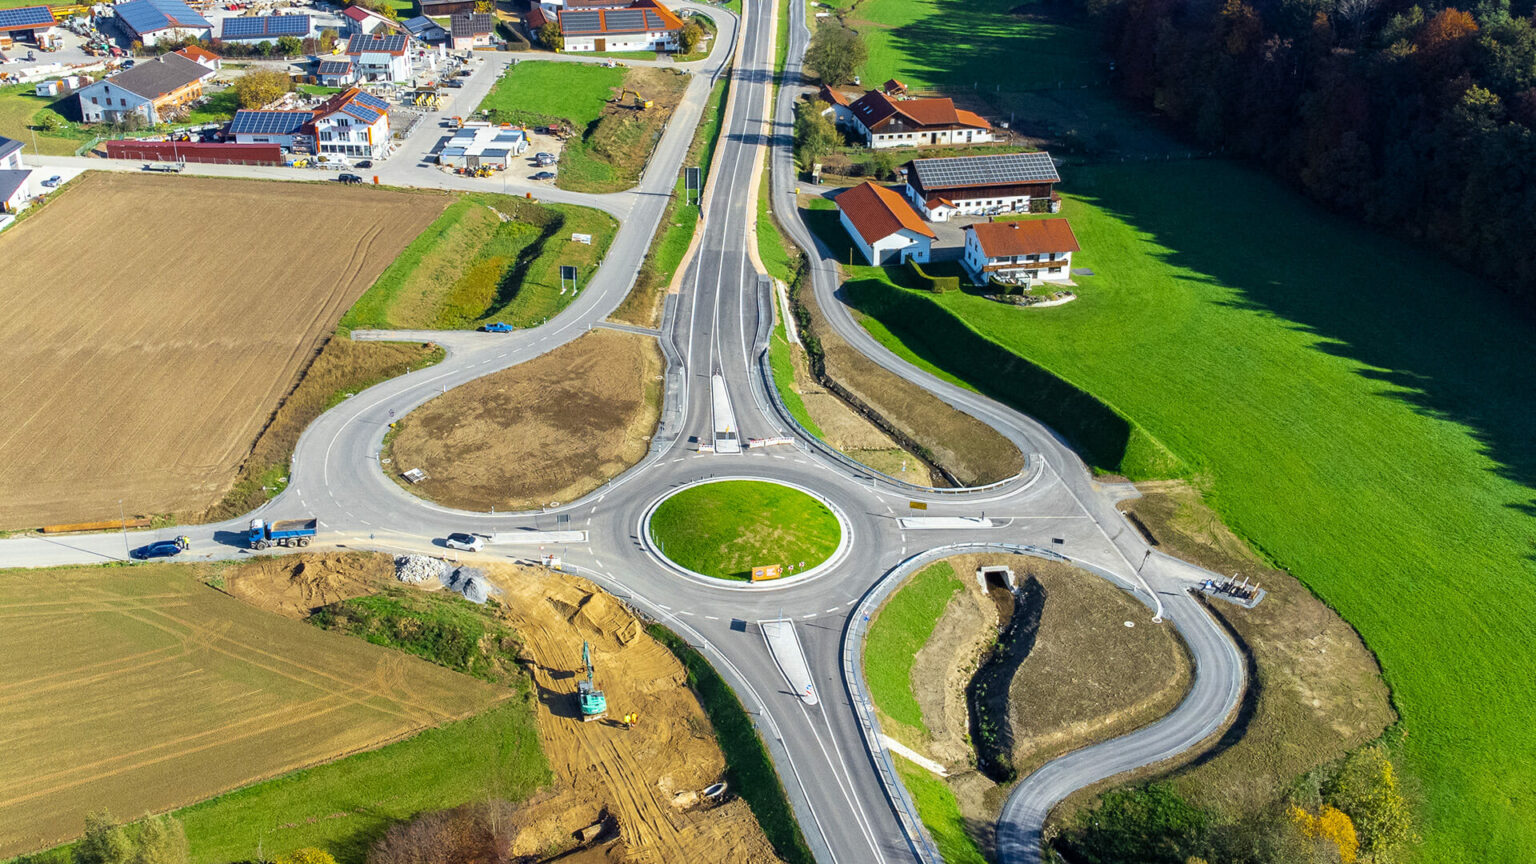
(154, 323)
(140, 690)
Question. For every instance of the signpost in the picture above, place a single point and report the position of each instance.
(567, 272)
(918, 505)
(762, 574)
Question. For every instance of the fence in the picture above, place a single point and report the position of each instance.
(190, 151)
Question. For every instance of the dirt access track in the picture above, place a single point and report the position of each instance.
(142, 690)
(153, 324)
(552, 429)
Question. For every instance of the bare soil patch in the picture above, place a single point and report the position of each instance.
(141, 690)
(296, 585)
(155, 323)
(1315, 690)
(970, 451)
(648, 778)
(548, 430)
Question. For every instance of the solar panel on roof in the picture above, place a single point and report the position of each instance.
(30, 16)
(985, 170)
(371, 101)
(147, 16)
(265, 25)
(580, 22)
(626, 19)
(335, 67)
(268, 122)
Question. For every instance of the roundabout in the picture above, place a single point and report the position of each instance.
(742, 531)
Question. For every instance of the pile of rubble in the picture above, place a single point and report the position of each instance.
(470, 582)
(417, 569)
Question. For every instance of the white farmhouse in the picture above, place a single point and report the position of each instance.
(353, 123)
(153, 89)
(1028, 250)
(884, 226)
(153, 21)
(982, 185)
(644, 25)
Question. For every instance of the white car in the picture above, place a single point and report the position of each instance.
(467, 542)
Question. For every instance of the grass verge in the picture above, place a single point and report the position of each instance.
(488, 257)
(900, 629)
(749, 770)
(724, 529)
(442, 627)
(678, 222)
(940, 813)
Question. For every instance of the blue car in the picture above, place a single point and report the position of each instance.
(163, 548)
(498, 327)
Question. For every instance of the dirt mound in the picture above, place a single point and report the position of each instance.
(635, 775)
(296, 585)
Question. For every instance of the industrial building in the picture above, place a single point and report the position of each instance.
(153, 21)
(474, 146)
(255, 29)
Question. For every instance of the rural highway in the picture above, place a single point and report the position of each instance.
(832, 764)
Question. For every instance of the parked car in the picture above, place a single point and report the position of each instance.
(53, 181)
(350, 179)
(454, 82)
(127, 64)
(543, 175)
(498, 327)
(162, 548)
(467, 542)
(542, 159)
(366, 163)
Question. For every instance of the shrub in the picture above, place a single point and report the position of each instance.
(934, 284)
(307, 855)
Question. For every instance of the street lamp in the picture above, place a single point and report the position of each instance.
(123, 523)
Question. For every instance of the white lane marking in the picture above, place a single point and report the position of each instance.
(684, 612)
(852, 807)
(599, 561)
(663, 606)
(830, 611)
(808, 615)
(711, 617)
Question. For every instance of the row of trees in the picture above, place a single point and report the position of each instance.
(1351, 812)
(1421, 118)
(285, 46)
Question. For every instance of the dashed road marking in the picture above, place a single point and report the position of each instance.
(711, 617)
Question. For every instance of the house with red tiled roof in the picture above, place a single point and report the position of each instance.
(886, 122)
(837, 105)
(1035, 249)
(884, 226)
(201, 56)
(364, 22)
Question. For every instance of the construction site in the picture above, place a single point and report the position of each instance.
(637, 773)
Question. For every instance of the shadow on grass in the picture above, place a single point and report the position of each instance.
(1439, 339)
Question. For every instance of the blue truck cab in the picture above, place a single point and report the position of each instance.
(287, 532)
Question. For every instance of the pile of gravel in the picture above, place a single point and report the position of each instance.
(417, 569)
(470, 582)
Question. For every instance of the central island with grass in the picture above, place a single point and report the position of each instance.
(724, 528)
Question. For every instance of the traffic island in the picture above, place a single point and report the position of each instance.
(746, 530)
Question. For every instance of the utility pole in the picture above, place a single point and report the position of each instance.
(123, 516)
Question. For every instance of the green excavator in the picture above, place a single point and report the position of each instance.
(593, 704)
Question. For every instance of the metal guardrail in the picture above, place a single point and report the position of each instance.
(853, 679)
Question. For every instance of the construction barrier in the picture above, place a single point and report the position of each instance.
(762, 574)
(196, 151)
(105, 525)
(769, 442)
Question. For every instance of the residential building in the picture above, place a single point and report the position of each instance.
(981, 185)
(335, 71)
(886, 122)
(154, 89)
(350, 123)
(470, 29)
(33, 24)
(838, 106)
(353, 123)
(644, 25)
(884, 226)
(483, 144)
(1020, 251)
(362, 21)
(10, 154)
(424, 29)
(153, 21)
(255, 29)
(14, 177)
(202, 56)
(380, 57)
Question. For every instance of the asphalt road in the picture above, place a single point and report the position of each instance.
(718, 324)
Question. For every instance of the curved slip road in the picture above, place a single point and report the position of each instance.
(828, 755)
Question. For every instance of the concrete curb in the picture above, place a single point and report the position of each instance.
(844, 543)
